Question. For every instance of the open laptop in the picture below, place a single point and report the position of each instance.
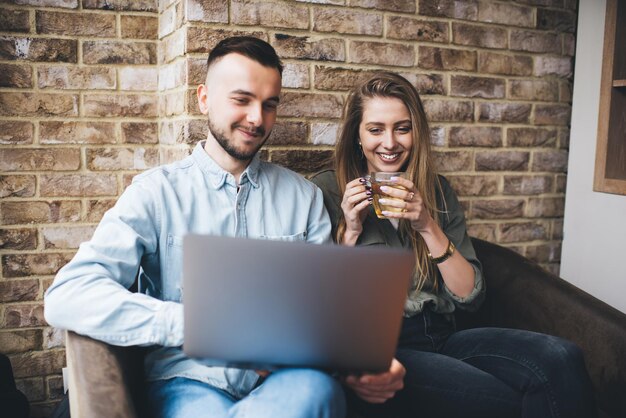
(266, 304)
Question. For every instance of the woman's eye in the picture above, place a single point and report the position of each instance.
(375, 131)
(404, 129)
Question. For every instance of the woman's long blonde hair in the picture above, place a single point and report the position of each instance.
(350, 162)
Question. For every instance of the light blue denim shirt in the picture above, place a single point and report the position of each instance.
(142, 234)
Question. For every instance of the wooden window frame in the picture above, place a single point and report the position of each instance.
(610, 167)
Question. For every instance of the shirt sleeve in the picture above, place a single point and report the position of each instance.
(319, 227)
(456, 230)
(90, 294)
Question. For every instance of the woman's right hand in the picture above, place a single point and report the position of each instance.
(354, 204)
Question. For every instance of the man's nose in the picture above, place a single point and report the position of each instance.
(255, 115)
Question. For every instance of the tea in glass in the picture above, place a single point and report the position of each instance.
(379, 179)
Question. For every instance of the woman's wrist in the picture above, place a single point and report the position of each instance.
(350, 238)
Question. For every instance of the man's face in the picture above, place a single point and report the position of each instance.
(241, 99)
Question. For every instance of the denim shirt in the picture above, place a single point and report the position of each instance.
(141, 236)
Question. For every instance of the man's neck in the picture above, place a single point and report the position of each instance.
(223, 159)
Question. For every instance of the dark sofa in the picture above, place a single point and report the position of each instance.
(106, 380)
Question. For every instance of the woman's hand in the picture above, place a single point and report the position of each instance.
(354, 204)
(378, 388)
(411, 204)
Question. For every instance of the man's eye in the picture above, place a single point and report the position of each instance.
(240, 100)
(270, 106)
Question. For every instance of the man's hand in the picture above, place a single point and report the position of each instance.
(378, 388)
(263, 373)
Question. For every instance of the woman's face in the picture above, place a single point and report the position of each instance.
(385, 133)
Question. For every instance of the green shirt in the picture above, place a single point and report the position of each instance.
(382, 232)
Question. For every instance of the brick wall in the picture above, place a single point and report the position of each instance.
(94, 91)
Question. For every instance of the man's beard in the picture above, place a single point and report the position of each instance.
(227, 145)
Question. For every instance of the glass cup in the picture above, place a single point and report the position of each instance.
(379, 179)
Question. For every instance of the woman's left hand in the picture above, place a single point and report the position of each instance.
(410, 202)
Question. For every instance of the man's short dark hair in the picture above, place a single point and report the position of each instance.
(248, 46)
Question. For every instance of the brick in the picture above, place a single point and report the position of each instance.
(38, 104)
(561, 183)
(13, 213)
(118, 52)
(37, 363)
(553, 114)
(18, 239)
(566, 91)
(309, 104)
(544, 253)
(139, 133)
(55, 387)
(289, 133)
(67, 4)
(39, 49)
(17, 290)
(536, 90)
(66, 237)
(53, 338)
(475, 136)
(97, 208)
(438, 136)
(255, 13)
(474, 185)
(20, 265)
(497, 209)
(481, 36)
(33, 388)
(347, 21)
(113, 159)
(303, 161)
(105, 105)
(457, 9)
(557, 229)
(172, 76)
(171, 19)
(545, 207)
(14, 20)
(446, 59)
(504, 112)
(558, 66)
(76, 78)
(564, 138)
(505, 14)
(303, 47)
(324, 133)
(77, 133)
(173, 103)
(523, 231)
(448, 110)
(556, 20)
(138, 78)
(484, 231)
(139, 27)
(206, 11)
(549, 3)
(78, 185)
(527, 185)
(400, 27)
(531, 137)
(125, 5)
(468, 86)
(522, 40)
(502, 161)
(494, 63)
(75, 24)
(196, 72)
(20, 340)
(335, 2)
(205, 39)
(174, 45)
(17, 186)
(18, 76)
(296, 76)
(402, 55)
(342, 79)
(16, 132)
(407, 6)
(428, 83)
(569, 44)
(452, 161)
(39, 159)
(552, 161)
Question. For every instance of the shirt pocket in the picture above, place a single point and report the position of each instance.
(301, 236)
(172, 281)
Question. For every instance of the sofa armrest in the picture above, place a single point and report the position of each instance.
(520, 294)
(104, 380)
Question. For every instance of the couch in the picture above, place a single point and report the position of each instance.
(106, 380)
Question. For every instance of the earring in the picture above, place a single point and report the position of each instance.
(361, 150)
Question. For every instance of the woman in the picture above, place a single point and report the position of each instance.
(437, 372)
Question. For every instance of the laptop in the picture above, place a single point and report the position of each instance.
(263, 304)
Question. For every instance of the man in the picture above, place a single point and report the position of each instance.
(222, 188)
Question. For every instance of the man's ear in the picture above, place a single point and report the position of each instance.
(203, 100)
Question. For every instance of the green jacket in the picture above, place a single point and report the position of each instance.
(382, 232)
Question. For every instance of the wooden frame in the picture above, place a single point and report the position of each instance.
(610, 167)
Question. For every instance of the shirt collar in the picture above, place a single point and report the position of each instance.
(218, 176)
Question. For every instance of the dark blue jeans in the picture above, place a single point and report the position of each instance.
(484, 372)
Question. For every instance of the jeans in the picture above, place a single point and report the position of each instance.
(293, 393)
(484, 372)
